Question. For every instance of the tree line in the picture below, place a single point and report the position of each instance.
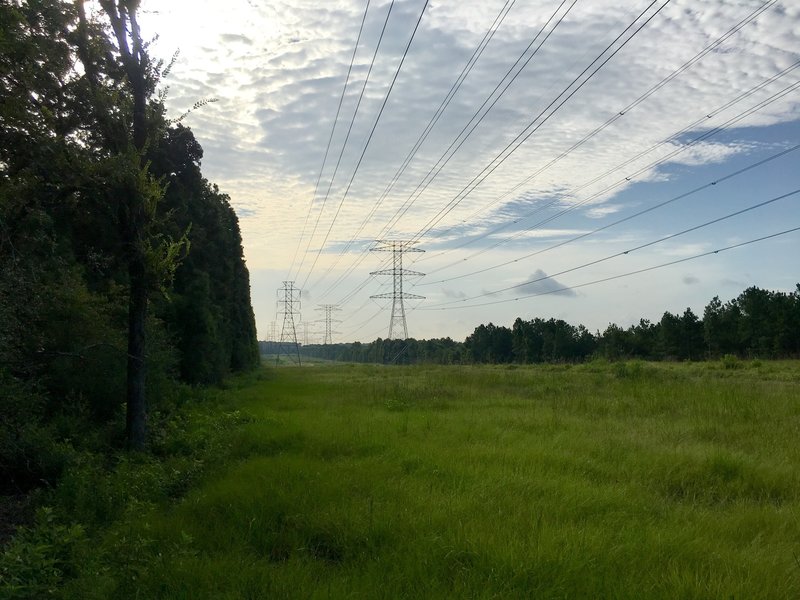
(758, 323)
(121, 266)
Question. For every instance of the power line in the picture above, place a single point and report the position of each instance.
(628, 274)
(366, 322)
(455, 144)
(629, 250)
(624, 180)
(330, 139)
(397, 248)
(522, 137)
(743, 22)
(369, 139)
(347, 137)
(465, 71)
(375, 332)
(345, 299)
(705, 186)
(625, 219)
(625, 110)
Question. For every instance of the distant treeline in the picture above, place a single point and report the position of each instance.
(759, 323)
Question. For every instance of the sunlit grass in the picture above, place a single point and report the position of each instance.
(594, 481)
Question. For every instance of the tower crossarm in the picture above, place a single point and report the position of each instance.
(392, 295)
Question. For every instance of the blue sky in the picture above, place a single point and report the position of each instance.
(278, 70)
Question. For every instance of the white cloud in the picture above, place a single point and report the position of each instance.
(684, 250)
(544, 233)
(598, 212)
(278, 71)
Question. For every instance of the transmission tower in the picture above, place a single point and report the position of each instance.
(289, 307)
(328, 319)
(272, 329)
(397, 324)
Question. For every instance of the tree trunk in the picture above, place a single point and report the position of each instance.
(122, 14)
(136, 417)
(137, 275)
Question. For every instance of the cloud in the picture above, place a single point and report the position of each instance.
(279, 69)
(232, 38)
(454, 294)
(685, 250)
(542, 233)
(728, 282)
(541, 283)
(690, 280)
(598, 212)
(243, 212)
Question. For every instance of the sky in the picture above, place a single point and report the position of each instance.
(549, 159)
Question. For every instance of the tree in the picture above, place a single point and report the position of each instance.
(721, 327)
(692, 336)
(614, 342)
(86, 239)
(149, 258)
(490, 343)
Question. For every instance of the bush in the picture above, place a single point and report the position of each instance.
(29, 453)
(633, 369)
(730, 361)
(39, 557)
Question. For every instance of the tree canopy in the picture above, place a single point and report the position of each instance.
(116, 256)
(758, 323)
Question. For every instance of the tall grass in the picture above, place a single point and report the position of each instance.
(623, 480)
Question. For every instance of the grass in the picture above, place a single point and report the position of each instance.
(603, 480)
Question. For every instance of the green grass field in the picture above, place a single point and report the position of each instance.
(592, 481)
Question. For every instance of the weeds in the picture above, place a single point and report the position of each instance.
(621, 480)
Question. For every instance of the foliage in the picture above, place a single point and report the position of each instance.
(39, 558)
(443, 351)
(758, 323)
(604, 479)
(98, 491)
(81, 201)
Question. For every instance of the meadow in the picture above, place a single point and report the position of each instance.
(601, 480)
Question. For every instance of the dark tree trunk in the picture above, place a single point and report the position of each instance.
(136, 417)
(122, 14)
(137, 275)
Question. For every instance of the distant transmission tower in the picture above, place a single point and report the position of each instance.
(397, 324)
(328, 319)
(289, 307)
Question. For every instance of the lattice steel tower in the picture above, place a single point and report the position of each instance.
(397, 248)
(328, 319)
(289, 307)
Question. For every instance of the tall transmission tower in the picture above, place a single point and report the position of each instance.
(328, 319)
(289, 307)
(397, 324)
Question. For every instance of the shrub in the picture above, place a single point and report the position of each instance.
(38, 558)
(730, 361)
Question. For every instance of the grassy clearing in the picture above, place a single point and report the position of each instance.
(624, 480)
